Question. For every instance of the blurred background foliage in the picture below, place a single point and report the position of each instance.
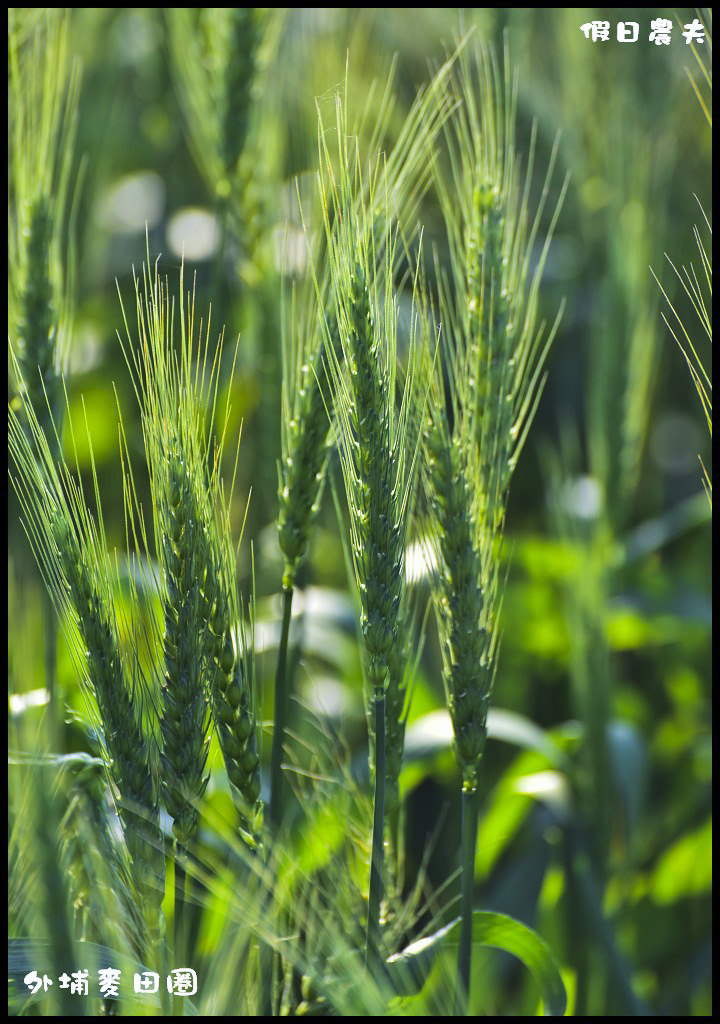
(607, 613)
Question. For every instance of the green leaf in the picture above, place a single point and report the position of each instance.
(514, 728)
(432, 734)
(685, 869)
(545, 559)
(413, 964)
(79, 759)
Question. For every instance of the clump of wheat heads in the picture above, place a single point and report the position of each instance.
(494, 352)
(310, 341)
(70, 548)
(207, 656)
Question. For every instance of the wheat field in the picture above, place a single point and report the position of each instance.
(359, 505)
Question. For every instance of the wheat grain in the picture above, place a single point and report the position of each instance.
(402, 660)
(463, 591)
(232, 688)
(183, 720)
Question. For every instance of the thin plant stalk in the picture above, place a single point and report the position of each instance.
(179, 918)
(468, 843)
(378, 837)
(281, 698)
(218, 280)
(50, 652)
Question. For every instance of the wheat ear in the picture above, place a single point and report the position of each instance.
(42, 107)
(494, 354)
(301, 474)
(192, 521)
(372, 433)
(69, 547)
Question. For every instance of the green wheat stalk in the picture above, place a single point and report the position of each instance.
(372, 431)
(177, 392)
(311, 340)
(493, 352)
(42, 113)
(70, 548)
(103, 908)
(207, 671)
(171, 442)
(306, 447)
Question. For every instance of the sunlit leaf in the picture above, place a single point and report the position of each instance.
(685, 869)
(410, 967)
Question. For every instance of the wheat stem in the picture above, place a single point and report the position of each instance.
(277, 794)
(222, 217)
(52, 883)
(575, 924)
(468, 843)
(50, 652)
(179, 918)
(372, 941)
